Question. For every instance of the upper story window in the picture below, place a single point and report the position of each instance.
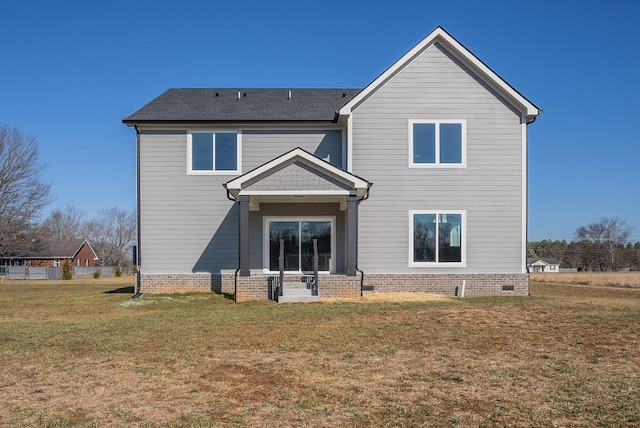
(437, 143)
(214, 152)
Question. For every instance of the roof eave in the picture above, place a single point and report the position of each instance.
(133, 122)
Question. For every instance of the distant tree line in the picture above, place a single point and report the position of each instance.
(600, 246)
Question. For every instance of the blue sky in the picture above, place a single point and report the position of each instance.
(71, 71)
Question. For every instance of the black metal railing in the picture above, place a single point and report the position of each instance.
(314, 287)
(281, 269)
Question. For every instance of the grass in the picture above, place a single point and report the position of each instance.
(73, 356)
(608, 279)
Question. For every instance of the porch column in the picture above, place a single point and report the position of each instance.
(244, 235)
(352, 235)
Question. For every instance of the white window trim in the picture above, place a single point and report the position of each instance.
(437, 164)
(463, 240)
(265, 240)
(237, 171)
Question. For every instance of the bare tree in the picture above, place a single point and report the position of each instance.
(64, 223)
(23, 194)
(112, 234)
(608, 236)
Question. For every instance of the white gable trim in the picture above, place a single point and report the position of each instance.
(455, 47)
(95, 255)
(540, 263)
(235, 186)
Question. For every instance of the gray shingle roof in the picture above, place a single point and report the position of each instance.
(224, 105)
(55, 248)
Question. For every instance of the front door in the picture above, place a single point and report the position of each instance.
(298, 235)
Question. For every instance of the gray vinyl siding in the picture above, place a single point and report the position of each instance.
(260, 146)
(437, 86)
(180, 213)
(297, 176)
(187, 223)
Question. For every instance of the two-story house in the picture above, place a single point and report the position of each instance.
(417, 182)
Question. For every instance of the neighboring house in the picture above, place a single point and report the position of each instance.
(418, 182)
(53, 252)
(543, 265)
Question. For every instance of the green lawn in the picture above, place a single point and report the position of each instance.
(73, 355)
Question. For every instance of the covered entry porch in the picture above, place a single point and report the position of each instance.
(286, 204)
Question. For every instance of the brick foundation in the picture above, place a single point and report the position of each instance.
(477, 284)
(262, 287)
(154, 283)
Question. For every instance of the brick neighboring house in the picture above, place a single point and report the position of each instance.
(53, 252)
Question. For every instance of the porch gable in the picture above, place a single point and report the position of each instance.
(297, 177)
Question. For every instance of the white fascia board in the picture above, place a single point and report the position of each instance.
(294, 192)
(455, 47)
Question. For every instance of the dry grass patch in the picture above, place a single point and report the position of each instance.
(391, 297)
(72, 356)
(608, 279)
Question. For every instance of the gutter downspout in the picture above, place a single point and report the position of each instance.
(526, 243)
(235, 275)
(138, 288)
(364, 198)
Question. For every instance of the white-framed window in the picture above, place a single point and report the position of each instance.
(437, 238)
(437, 143)
(298, 234)
(56, 262)
(214, 152)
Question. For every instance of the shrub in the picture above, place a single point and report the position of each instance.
(67, 270)
(96, 274)
(118, 272)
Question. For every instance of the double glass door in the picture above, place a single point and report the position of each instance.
(298, 238)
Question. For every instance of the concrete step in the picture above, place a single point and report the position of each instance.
(297, 292)
(298, 299)
(296, 286)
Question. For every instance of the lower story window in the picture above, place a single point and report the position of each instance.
(437, 238)
(298, 236)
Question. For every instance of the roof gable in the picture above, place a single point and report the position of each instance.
(440, 36)
(297, 162)
(542, 261)
(298, 176)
